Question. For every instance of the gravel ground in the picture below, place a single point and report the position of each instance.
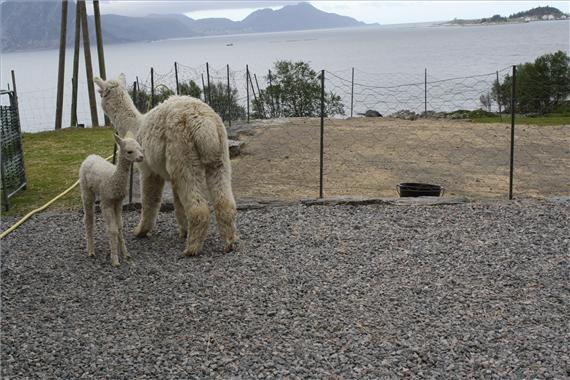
(474, 290)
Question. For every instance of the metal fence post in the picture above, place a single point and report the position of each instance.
(425, 91)
(204, 88)
(322, 156)
(513, 102)
(151, 87)
(247, 89)
(271, 96)
(176, 78)
(498, 87)
(260, 102)
(229, 97)
(209, 88)
(352, 93)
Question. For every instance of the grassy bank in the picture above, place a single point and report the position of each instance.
(52, 162)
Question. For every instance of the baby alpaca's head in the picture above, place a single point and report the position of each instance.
(130, 149)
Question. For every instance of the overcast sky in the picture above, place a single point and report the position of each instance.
(383, 12)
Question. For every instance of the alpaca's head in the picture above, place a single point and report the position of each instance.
(116, 102)
(130, 149)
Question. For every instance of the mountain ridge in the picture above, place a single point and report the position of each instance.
(29, 26)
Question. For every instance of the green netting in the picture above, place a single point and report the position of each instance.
(13, 173)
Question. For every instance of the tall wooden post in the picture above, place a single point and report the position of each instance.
(100, 52)
(61, 68)
(75, 77)
(88, 65)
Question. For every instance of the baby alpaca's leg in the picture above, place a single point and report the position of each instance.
(112, 230)
(119, 217)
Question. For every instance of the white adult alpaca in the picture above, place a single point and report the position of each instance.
(185, 143)
(99, 177)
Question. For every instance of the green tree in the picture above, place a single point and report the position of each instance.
(190, 88)
(294, 90)
(541, 86)
(219, 99)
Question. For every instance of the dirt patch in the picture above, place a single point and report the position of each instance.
(369, 157)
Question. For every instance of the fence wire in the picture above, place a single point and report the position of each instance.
(420, 138)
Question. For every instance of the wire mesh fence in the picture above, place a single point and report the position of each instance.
(422, 136)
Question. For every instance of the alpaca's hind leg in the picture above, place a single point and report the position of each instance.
(196, 206)
(119, 217)
(151, 194)
(220, 187)
(108, 212)
(89, 219)
(180, 214)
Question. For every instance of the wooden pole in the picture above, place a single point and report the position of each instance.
(61, 65)
(100, 51)
(75, 77)
(88, 65)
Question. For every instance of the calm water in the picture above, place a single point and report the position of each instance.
(404, 51)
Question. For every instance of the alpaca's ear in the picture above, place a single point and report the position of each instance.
(118, 139)
(122, 80)
(100, 83)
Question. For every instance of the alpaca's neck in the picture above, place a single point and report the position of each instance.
(127, 117)
(121, 170)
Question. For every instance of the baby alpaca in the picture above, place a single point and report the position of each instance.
(99, 177)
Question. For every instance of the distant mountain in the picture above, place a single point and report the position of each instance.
(35, 25)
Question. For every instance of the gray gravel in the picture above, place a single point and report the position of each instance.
(474, 290)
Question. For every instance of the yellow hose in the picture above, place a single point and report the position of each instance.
(31, 213)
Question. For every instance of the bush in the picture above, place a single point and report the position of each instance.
(294, 90)
(541, 86)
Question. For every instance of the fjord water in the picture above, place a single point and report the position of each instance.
(407, 49)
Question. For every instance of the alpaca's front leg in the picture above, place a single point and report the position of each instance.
(151, 196)
(113, 232)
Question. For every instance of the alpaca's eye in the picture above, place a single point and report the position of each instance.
(129, 151)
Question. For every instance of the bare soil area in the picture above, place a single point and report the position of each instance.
(370, 156)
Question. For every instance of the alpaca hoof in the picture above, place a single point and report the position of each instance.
(182, 233)
(190, 252)
(91, 254)
(140, 232)
(115, 264)
(229, 248)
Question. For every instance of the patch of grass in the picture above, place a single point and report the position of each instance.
(551, 119)
(52, 161)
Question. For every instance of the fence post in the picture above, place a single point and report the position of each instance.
(322, 148)
(247, 89)
(74, 83)
(425, 91)
(204, 88)
(512, 160)
(100, 51)
(229, 97)
(271, 96)
(498, 87)
(61, 65)
(352, 93)
(176, 78)
(209, 88)
(151, 87)
(88, 64)
(253, 90)
(260, 102)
